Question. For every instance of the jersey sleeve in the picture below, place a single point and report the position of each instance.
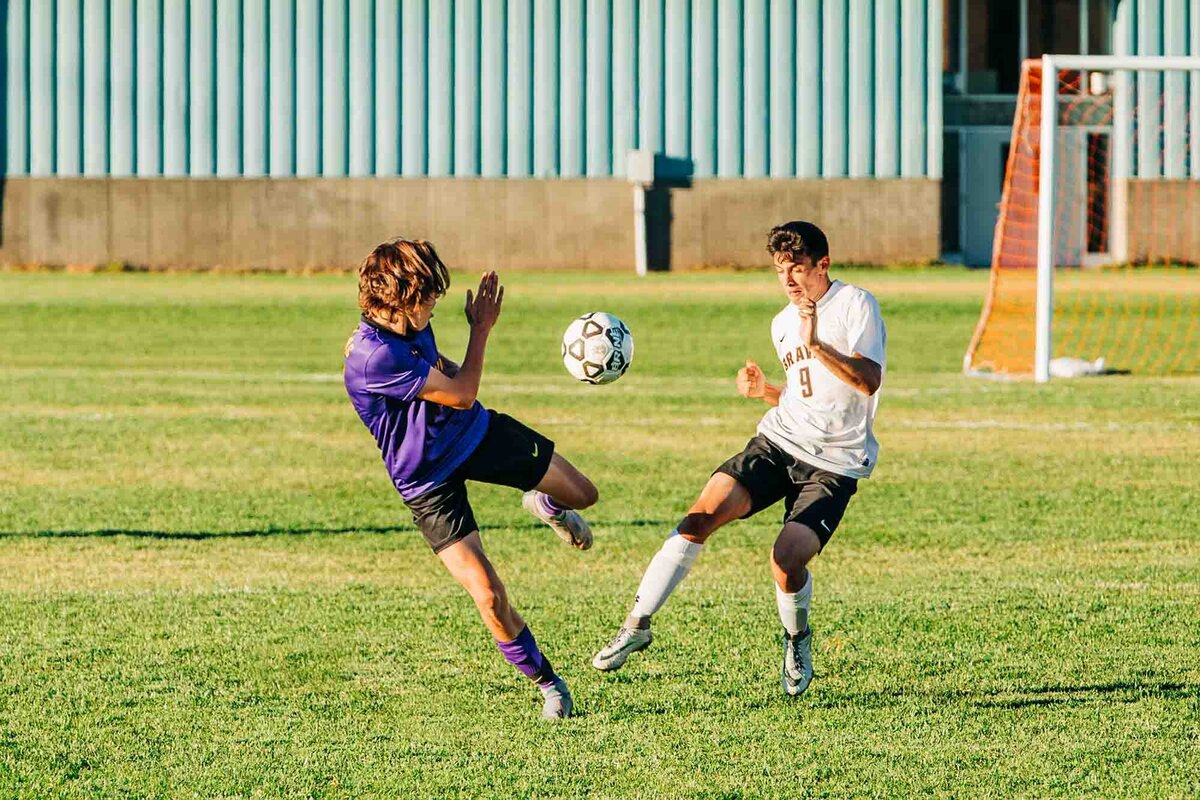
(866, 332)
(396, 373)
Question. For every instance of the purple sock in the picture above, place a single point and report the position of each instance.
(548, 505)
(522, 652)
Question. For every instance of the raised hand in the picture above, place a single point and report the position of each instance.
(750, 380)
(483, 309)
(808, 322)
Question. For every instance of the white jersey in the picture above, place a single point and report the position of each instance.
(821, 420)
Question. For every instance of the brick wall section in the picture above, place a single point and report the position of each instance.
(1164, 221)
(476, 223)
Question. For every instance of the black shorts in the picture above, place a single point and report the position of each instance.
(510, 454)
(813, 497)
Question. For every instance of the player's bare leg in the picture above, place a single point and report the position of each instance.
(796, 545)
(556, 500)
(722, 501)
(469, 566)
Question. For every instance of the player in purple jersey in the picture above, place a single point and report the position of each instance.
(434, 436)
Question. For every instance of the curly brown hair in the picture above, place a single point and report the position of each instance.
(398, 276)
(798, 239)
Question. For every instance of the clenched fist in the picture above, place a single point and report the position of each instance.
(750, 380)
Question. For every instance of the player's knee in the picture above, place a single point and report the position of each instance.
(587, 494)
(787, 559)
(699, 525)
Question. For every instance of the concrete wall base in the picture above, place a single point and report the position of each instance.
(504, 224)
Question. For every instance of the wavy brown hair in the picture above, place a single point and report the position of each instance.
(798, 239)
(399, 276)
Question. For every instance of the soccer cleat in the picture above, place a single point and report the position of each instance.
(627, 642)
(797, 662)
(567, 524)
(559, 704)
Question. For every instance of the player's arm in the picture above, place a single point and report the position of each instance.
(461, 389)
(752, 383)
(857, 370)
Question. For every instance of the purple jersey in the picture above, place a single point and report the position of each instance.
(421, 442)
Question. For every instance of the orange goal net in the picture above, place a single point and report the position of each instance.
(1121, 274)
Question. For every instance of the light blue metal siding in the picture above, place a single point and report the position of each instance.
(492, 101)
(281, 83)
(466, 89)
(913, 108)
(862, 88)
(175, 90)
(678, 33)
(650, 76)
(572, 139)
(810, 123)
(744, 88)
(887, 88)
(361, 83)
(729, 88)
(16, 109)
(598, 108)
(756, 104)
(149, 88)
(782, 89)
(625, 82)
(704, 88)
(95, 87)
(1163, 139)
(833, 88)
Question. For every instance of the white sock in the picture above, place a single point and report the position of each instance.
(669, 566)
(793, 606)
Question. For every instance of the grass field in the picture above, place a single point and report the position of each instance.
(209, 588)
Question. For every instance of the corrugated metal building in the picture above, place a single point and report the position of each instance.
(460, 110)
(468, 88)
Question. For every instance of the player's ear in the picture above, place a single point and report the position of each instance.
(823, 264)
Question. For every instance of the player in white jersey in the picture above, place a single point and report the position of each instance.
(812, 447)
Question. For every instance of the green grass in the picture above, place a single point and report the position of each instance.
(209, 588)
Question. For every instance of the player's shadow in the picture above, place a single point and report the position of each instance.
(1116, 691)
(281, 531)
(1128, 691)
(161, 534)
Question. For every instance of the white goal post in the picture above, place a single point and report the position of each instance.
(1120, 168)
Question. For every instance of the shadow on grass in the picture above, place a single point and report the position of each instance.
(280, 531)
(1130, 691)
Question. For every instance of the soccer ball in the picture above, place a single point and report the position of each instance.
(597, 348)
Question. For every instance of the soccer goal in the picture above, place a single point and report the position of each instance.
(1096, 255)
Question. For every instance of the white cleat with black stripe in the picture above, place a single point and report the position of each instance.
(797, 662)
(627, 642)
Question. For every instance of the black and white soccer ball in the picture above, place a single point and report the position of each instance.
(597, 348)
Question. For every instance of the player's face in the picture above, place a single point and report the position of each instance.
(419, 318)
(801, 278)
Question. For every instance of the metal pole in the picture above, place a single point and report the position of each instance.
(963, 61)
(639, 227)
(1023, 44)
(1045, 250)
(1121, 169)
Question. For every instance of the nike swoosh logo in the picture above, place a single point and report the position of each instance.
(781, 338)
(826, 527)
(535, 449)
